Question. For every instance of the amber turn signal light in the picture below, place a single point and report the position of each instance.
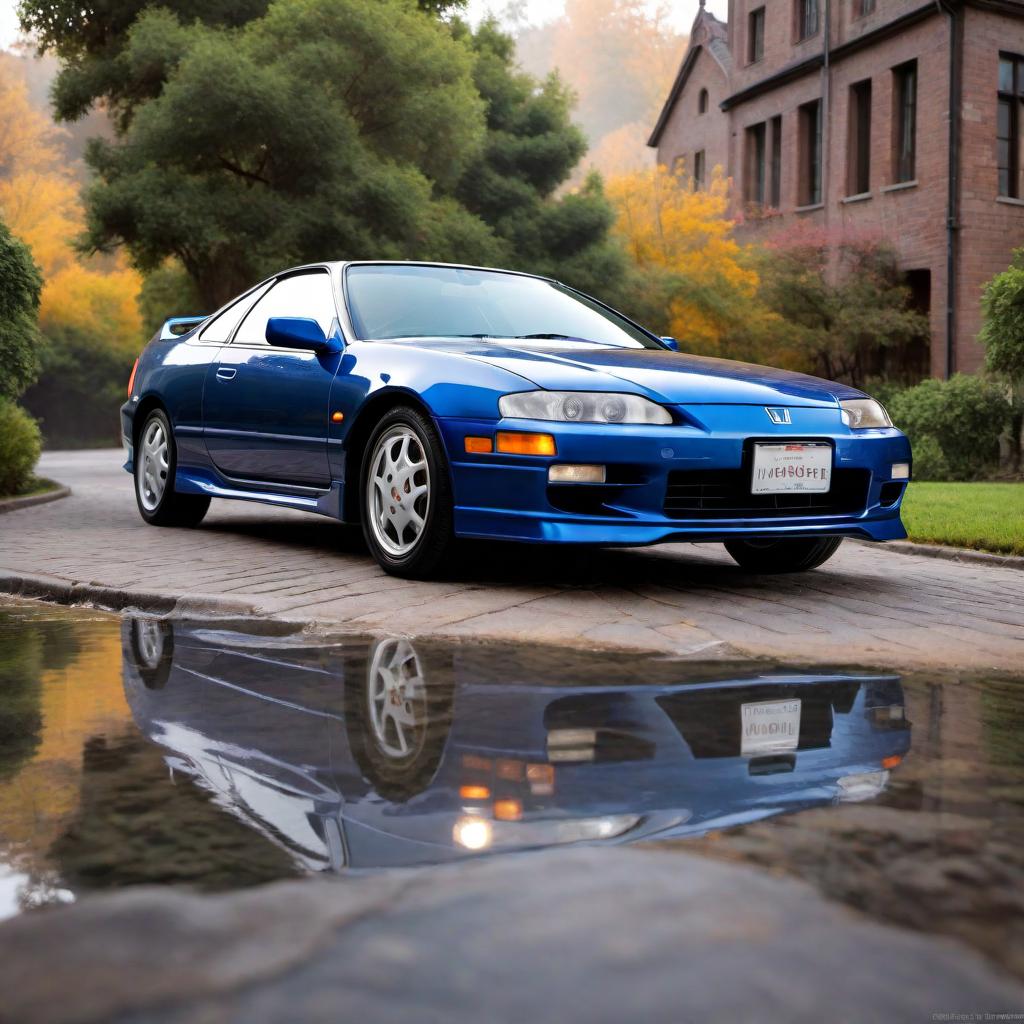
(891, 762)
(508, 810)
(131, 379)
(337, 417)
(474, 792)
(515, 443)
(479, 445)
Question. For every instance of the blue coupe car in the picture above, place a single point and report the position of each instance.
(434, 402)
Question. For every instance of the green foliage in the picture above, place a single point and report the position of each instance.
(1002, 334)
(81, 388)
(531, 148)
(168, 291)
(957, 421)
(20, 287)
(930, 462)
(1002, 331)
(90, 37)
(847, 322)
(20, 444)
(253, 157)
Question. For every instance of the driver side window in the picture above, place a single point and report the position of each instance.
(301, 295)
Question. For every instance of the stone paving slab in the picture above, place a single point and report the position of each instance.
(867, 606)
(592, 935)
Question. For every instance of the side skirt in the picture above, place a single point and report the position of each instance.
(196, 480)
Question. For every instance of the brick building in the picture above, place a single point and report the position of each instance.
(836, 112)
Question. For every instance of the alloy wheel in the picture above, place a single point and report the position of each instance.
(152, 465)
(399, 491)
(397, 697)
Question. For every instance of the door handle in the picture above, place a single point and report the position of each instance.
(226, 373)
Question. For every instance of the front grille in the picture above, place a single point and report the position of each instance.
(725, 494)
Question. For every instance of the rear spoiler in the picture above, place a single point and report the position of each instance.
(176, 326)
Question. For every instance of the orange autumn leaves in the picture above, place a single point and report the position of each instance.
(40, 204)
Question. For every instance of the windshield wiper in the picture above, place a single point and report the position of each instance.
(552, 337)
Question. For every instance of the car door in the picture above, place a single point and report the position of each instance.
(265, 409)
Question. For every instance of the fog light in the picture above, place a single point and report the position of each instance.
(569, 474)
(901, 471)
(514, 443)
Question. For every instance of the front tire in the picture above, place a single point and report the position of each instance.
(777, 556)
(406, 496)
(156, 460)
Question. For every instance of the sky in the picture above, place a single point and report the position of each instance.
(537, 11)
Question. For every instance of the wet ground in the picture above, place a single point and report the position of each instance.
(220, 755)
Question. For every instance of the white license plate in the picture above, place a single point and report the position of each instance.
(791, 468)
(769, 727)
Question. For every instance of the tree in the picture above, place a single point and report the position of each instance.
(530, 149)
(252, 157)
(1002, 334)
(90, 327)
(91, 39)
(20, 286)
(845, 306)
(692, 275)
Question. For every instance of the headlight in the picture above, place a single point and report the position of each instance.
(861, 413)
(582, 407)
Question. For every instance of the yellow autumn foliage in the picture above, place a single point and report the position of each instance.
(39, 202)
(686, 235)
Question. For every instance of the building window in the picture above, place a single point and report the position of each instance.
(861, 8)
(859, 166)
(1011, 92)
(755, 36)
(698, 170)
(755, 176)
(702, 102)
(904, 94)
(775, 174)
(810, 154)
(806, 19)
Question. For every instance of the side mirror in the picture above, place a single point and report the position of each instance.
(671, 344)
(301, 333)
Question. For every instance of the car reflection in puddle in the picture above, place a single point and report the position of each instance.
(369, 754)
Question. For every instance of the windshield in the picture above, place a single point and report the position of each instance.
(388, 302)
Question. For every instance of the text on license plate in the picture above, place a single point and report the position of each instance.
(769, 727)
(788, 468)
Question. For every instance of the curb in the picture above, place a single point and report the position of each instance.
(71, 592)
(13, 504)
(951, 554)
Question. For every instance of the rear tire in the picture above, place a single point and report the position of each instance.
(777, 556)
(156, 460)
(406, 496)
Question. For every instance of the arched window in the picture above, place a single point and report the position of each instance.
(702, 102)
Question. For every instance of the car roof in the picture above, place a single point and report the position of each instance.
(344, 264)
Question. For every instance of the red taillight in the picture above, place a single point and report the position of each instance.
(131, 379)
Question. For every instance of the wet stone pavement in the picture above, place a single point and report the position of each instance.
(787, 817)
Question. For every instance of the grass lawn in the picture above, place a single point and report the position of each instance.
(989, 517)
(37, 485)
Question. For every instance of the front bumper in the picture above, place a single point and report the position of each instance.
(508, 497)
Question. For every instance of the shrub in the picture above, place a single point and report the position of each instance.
(929, 461)
(961, 418)
(20, 444)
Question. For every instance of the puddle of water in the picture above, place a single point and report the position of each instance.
(137, 750)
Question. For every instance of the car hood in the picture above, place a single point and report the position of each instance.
(673, 378)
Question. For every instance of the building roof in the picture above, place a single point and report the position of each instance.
(708, 33)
